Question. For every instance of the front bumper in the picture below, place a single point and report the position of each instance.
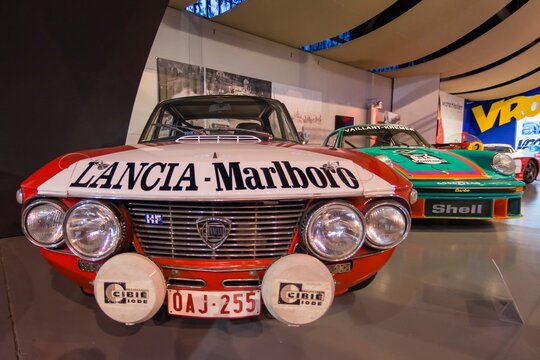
(130, 295)
(462, 200)
(190, 276)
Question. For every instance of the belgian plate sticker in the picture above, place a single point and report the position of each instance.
(340, 268)
(422, 158)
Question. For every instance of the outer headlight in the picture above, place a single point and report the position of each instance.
(388, 224)
(19, 196)
(503, 164)
(94, 230)
(413, 198)
(333, 231)
(42, 223)
(385, 159)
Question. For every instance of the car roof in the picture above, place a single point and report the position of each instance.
(207, 98)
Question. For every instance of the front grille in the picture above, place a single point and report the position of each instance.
(514, 207)
(259, 229)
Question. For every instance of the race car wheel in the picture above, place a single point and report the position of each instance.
(531, 172)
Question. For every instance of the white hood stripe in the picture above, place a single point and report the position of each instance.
(214, 172)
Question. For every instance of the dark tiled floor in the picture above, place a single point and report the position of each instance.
(440, 297)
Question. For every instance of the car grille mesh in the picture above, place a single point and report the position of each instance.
(262, 229)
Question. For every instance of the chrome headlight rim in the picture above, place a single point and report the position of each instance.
(406, 214)
(54, 203)
(495, 164)
(119, 219)
(309, 218)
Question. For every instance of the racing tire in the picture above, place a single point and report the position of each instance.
(531, 172)
(363, 284)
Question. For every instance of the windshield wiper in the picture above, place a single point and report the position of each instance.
(237, 130)
(182, 129)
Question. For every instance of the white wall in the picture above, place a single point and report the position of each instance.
(452, 110)
(416, 100)
(191, 39)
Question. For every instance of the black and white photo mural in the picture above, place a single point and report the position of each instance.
(223, 83)
(177, 79)
(305, 107)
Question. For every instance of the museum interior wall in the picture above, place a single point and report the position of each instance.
(70, 78)
(185, 38)
(416, 100)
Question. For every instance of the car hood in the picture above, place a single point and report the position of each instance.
(429, 163)
(211, 172)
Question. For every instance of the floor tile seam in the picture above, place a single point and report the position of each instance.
(10, 306)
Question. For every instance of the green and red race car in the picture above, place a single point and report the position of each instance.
(456, 184)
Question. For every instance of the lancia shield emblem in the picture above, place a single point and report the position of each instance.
(213, 231)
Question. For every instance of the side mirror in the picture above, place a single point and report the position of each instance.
(304, 136)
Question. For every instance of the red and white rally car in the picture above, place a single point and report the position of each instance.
(218, 210)
(527, 162)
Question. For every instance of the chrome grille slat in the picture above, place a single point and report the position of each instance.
(237, 225)
(233, 248)
(232, 234)
(227, 256)
(235, 217)
(196, 237)
(198, 242)
(226, 211)
(259, 229)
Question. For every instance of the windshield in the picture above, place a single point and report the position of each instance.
(379, 136)
(215, 115)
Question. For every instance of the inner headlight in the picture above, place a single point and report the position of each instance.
(503, 164)
(388, 224)
(385, 159)
(42, 223)
(94, 230)
(334, 231)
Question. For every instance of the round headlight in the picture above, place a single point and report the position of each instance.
(19, 196)
(388, 223)
(42, 223)
(503, 164)
(385, 159)
(333, 231)
(413, 197)
(94, 230)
